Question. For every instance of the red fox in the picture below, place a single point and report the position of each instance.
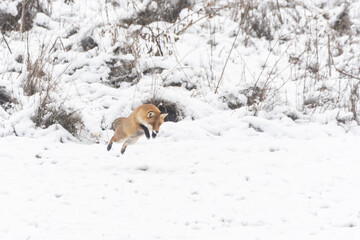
(144, 119)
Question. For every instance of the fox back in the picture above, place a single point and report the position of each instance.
(117, 122)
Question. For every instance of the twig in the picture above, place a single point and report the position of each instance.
(22, 16)
(190, 24)
(106, 10)
(155, 37)
(194, 13)
(346, 74)
(62, 44)
(232, 47)
(278, 8)
(6, 42)
(179, 63)
(329, 55)
(341, 71)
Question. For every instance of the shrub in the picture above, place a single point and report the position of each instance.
(121, 71)
(6, 100)
(48, 114)
(342, 23)
(88, 43)
(158, 10)
(26, 11)
(8, 22)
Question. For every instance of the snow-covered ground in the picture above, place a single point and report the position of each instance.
(267, 146)
(214, 178)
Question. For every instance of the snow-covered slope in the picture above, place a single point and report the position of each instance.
(94, 58)
(267, 94)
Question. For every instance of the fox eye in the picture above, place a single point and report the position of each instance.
(150, 114)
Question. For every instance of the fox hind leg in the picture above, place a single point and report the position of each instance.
(131, 140)
(109, 146)
(110, 143)
(124, 146)
(112, 140)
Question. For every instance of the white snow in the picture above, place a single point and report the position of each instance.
(214, 178)
(249, 173)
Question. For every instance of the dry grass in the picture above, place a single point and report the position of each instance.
(35, 77)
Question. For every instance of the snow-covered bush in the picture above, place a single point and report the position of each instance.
(158, 10)
(50, 112)
(8, 21)
(6, 100)
(121, 70)
(88, 43)
(265, 58)
(19, 15)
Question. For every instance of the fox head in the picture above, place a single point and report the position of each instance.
(151, 117)
(155, 120)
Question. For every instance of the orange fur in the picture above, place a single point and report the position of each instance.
(145, 118)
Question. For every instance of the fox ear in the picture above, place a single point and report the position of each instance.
(163, 115)
(150, 114)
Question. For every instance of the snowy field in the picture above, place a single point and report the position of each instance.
(214, 178)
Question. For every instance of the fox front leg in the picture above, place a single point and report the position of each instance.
(146, 130)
